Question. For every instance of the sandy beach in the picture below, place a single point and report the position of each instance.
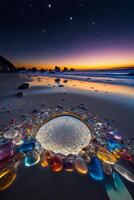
(113, 104)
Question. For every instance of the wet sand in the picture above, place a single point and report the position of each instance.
(36, 183)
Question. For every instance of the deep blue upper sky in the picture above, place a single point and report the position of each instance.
(56, 31)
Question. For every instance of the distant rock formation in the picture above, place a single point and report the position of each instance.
(6, 66)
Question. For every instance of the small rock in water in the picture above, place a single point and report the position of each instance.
(24, 86)
(7, 176)
(65, 81)
(124, 172)
(20, 94)
(57, 80)
(61, 85)
(31, 158)
(107, 168)
(11, 133)
(56, 164)
(80, 165)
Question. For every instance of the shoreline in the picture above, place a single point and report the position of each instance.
(39, 97)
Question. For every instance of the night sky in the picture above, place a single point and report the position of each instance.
(78, 33)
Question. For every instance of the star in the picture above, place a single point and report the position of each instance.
(30, 5)
(71, 18)
(49, 5)
(43, 31)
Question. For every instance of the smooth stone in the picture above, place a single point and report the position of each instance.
(107, 168)
(44, 161)
(24, 86)
(116, 154)
(56, 164)
(6, 149)
(31, 158)
(64, 134)
(7, 176)
(85, 156)
(117, 136)
(124, 154)
(91, 151)
(48, 155)
(124, 172)
(68, 165)
(11, 133)
(106, 156)
(95, 169)
(26, 147)
(18, 141)
(112, 145)
(80, 165)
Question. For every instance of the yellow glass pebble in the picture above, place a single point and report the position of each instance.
(7, 176)
(106, 156)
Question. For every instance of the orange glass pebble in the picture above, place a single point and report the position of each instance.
(80, 165)
(106, 156)
(44, 163)
(56, 164)
(7, 176)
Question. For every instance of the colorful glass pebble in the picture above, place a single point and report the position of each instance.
(68, 165)
(26, 147)
(7, 176)
(80, 165)
(31, 158)
(56, 164)
(125, 173)
(6, 149)
(11, 133)
(95, 169)
(106, 156)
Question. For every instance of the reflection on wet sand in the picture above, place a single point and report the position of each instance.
(83, 85)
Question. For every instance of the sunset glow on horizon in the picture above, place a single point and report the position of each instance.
(92, 60)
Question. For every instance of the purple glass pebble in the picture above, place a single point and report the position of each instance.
(6, 149)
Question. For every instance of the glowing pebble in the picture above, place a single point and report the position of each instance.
(6, 149)
(18, 140)
(117, 136)
(31, 158)
(56, 164)
(80, 165)
(124, 172)
(11, 133)
(68, 165)
(26, 147)
(106, 156)
(7, 176)
(116, 154)
(95, 169)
